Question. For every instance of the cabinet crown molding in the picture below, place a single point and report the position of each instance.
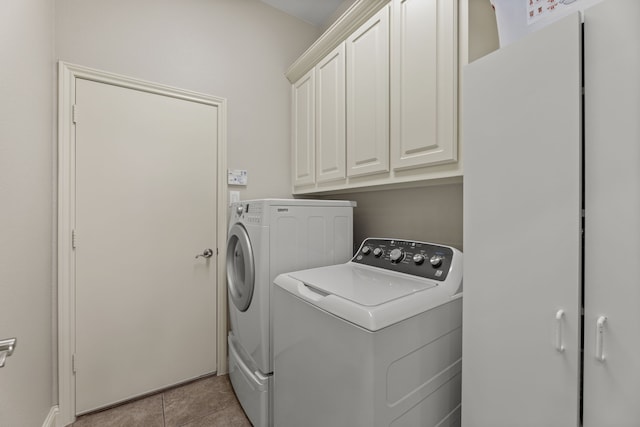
(353, 17)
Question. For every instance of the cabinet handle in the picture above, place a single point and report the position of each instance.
(559, 321)
(600, 324)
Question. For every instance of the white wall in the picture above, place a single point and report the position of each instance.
(26, 184)
(237, 49)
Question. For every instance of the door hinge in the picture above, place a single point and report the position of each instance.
(73, 239)
(74, 113)
(217, 252)
(73, 363)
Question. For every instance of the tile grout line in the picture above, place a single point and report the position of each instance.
(164, 417)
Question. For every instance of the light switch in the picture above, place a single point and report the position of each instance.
(234, 196)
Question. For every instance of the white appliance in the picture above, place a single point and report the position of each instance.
(552, 226)
(268, 237)
(373, 342)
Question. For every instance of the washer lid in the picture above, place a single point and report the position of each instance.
(365, 286)
(369, 297)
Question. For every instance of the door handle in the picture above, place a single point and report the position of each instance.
(600, 323)
(6, 349)
(208, 253)
(559, 340)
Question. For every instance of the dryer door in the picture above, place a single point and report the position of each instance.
(240, 267)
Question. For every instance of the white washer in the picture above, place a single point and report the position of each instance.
(265, 238)
(373, 342)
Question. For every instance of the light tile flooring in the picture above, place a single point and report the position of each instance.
(209, 402)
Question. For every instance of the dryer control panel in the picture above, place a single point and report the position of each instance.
(249, 212)
(421, 259)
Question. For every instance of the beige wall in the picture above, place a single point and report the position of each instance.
(236, 49)
(26, 209)
(483, 30)
(430, 214)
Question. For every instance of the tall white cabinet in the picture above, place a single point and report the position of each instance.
(551, 219)
(612, 219)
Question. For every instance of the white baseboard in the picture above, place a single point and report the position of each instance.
(50, 421)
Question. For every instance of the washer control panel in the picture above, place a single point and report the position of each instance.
(421, 259)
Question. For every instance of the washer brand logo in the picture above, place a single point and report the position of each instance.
(283, 210)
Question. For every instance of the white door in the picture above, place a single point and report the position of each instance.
(145, 315)
(612, 215)
(368, 96)
(522, 233)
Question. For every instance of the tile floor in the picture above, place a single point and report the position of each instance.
(209, 402)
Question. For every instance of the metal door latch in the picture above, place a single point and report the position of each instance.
(6, 350)
(208, 253)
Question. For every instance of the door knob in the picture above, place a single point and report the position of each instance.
(6, 349)
(208, 253)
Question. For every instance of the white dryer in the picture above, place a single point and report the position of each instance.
(266, 238)
(373, 342)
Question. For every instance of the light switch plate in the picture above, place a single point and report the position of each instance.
(234, 196)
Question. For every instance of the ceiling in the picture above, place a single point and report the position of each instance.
(316, 12)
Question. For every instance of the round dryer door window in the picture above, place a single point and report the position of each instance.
(240, 267)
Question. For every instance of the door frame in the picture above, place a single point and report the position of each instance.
(67, 76)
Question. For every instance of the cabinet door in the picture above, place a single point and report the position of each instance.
(423, 83)
(368, 97)
(330, 116)
(522, 232)
(612, 215)
(303, 130)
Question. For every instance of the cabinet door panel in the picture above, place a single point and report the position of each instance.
(368, 97)
(423, 83)
(612, 214)
(303, 130)
(330, 119)
(522, 232)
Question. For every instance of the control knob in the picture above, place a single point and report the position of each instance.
(436, 261)
(396, 255)
(418, 259)
(239, 209)
(377, 252)
(366, 250)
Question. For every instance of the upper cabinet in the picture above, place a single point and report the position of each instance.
(423, 82)
(368, 97)
(330, 116)
(384, 110)
(303, 130)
